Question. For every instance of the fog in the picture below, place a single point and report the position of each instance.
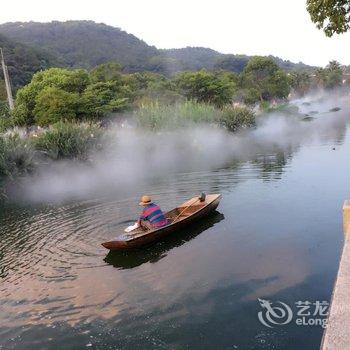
(132, 158)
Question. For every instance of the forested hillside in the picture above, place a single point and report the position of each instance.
(22, 61)
(86, 44)
(82, 43)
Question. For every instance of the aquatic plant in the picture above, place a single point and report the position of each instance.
(68, 140)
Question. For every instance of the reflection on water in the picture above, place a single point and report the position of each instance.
(276, 235)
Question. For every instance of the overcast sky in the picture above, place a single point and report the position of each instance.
(255, 27)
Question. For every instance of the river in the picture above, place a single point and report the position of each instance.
(276, 235)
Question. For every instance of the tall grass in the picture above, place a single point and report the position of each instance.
(157, 116)
(68, 140)
(17, 156)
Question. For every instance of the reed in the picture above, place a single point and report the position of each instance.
(157, 116)
(68, 140)
(17, 156)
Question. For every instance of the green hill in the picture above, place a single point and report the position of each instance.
(87, 44)
(22, 61)
(82, 43)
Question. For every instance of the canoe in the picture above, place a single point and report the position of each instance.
(178, 218)
(128, 259)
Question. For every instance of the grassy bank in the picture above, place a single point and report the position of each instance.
(23, 151)
(20, 155)
(155, 116)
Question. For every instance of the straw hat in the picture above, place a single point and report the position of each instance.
(145, 200)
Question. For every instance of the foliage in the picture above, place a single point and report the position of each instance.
(160, 92)
(320, 77)
(193, 58)
(53, 104)
(237, 117)
(106, 72)
(3, 94)
(207, 87)
(69, 140)
(233, 63)
(42, 87)
(264, 80)
(142, 80)
(156, 116)
(330, 77)
(300, 82)
(164, 65)
(87, 44)
(82, 43)
(62, 94)
(5, 123)
(334, 76)
(16, 156)
(333, 16)
(103, 97)
(4, 109)
(23, 61)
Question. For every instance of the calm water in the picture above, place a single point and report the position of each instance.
(276, 235)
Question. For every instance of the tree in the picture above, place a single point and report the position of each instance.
(333, 16)
(142, 80)
(103, 97)
(334, 75)
(53, 104)
(71, 81)
(106, 72)
(163, 65)
(300, 82)
(233, 63)
(204, 86)
(320, 77)
(263, 80)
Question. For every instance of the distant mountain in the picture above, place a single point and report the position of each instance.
(82, 43)
(22, 61)
(193, 58)
(87, 44)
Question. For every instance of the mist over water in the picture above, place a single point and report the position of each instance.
(131, 158)
(277, 235)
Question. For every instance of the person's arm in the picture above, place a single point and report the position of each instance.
(142, 217)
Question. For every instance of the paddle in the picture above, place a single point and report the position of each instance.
(200, 198)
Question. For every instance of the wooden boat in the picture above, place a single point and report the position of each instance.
(192, 210)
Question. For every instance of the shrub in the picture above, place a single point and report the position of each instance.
(69, 140)
(234, 118)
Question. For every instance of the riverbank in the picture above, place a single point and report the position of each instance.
(337, 333)
(60, 286)
(25, 150)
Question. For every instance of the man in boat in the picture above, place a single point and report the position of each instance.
(152, 216)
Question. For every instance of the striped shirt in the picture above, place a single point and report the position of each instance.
(154, 215)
